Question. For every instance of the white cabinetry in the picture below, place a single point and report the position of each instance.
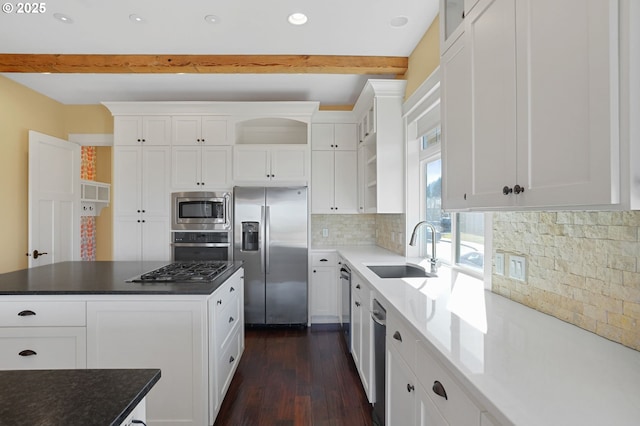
(334, 165)
(323, 288)
(141, 202)
(379, 109)
(544, 106)
(200, 159)
(270, 163)
(362, 331)
(226, 343)
(136, 130)
(42, 335)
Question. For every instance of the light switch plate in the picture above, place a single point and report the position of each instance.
(500, 263)
(325, 232)
(517, 267)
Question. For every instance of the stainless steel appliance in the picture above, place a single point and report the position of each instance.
(379, 316)
(200, 210)
(184, 272)
(345, 285)
(270, 237)
(201, 246)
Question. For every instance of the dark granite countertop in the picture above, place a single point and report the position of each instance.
(72, 397)
(99, 278)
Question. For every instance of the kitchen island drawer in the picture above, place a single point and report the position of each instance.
(448, 395)
(39, 348)
(42, 314)
(401, 338)
(225, 320)
(228, 361)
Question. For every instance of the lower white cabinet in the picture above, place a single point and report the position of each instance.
(323, 288)
(139, 414)
(362, 331)
(400, 390)
(37, 348)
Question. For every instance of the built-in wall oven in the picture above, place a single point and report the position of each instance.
(201, 246)
(200, 210)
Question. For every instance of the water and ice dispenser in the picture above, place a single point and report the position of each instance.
(250, 236)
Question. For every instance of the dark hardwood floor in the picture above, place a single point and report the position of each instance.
(295, 377)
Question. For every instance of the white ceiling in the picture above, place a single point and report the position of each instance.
(335, 27)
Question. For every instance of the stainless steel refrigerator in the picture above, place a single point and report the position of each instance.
(270, 237)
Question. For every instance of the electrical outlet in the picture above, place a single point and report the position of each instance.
(325, 232)
(499, 263)
(517, 267)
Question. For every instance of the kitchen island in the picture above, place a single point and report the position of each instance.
(78, 315)
(74, 397)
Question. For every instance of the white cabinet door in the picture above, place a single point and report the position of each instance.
(322, 137)
(289, 163)
(251, 163)
(345, 136)
(155, 334)
(427, 413)
(456, 125)
(186, 167)
(400, 390)
(127, 238)
(323, 294)
(215, 131)
(366, 349)
(155, 238)
(127, 130)
(35, 348)
(216, 167)
(138, 130)
(156, 170)
(186, 130)
(567, 101)
(127, 187)
(200, 130)
(156, 130)
(346, 182)
(322, 180)
(490, 35)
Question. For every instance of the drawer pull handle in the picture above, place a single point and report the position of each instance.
(358, 286)
(410, 387)
(27, 352)
(26, 313)
(231, 290)
(219, 302)
(231, 319)
(323, 260)
(397, 336)
(439, 389)
(231, 359)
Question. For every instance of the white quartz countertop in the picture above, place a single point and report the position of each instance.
(523, 366)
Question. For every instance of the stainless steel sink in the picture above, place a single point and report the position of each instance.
(400, 271)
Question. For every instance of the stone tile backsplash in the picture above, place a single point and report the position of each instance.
(358, 229)
(582, 267)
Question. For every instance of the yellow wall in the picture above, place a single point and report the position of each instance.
(21, 110)
(424, 59)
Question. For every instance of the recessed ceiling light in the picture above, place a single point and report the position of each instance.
(63, 18)
(399, 21)
(297, 18)
(135, 18)
(212, 19)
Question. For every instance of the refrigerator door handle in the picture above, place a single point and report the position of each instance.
(267, 237)
(261, 240)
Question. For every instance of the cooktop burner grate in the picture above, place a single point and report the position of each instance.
(185, 272)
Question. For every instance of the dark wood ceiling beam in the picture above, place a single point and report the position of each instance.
(204, 64)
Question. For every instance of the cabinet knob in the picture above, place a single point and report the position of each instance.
(231, 319)
(438, 389)
(219, 302)
(26, 313)
(144, 140)
(336, 146)
(358, 304)
(139, 140)
(410, 387)
(231, 290)
(397, 336)
(27, 352)
(518, 189)
(506, 190)
(273, 175)
(231, 359)
(331, 208)
(197, 183)
(143, 221)
(314, 271)
(202, 183)
(358, 286)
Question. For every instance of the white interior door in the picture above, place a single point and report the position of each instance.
(54, 200)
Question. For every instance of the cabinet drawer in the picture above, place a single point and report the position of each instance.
(225, 294)
(457, 408)
(324, 259)
(43, 348)
(228, 361)
(402, 339)
(225, 320)
(42, 314)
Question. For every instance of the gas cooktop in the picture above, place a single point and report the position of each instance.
(184, 272)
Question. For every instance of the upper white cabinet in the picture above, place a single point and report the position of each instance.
(200, 130)
(452, 14)
(136, 130)
(270, 163)
(334, 165)
(543, 129)
(379, 110)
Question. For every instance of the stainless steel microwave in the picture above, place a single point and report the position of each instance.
(200, 211)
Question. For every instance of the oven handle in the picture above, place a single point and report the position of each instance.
(201, 244)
